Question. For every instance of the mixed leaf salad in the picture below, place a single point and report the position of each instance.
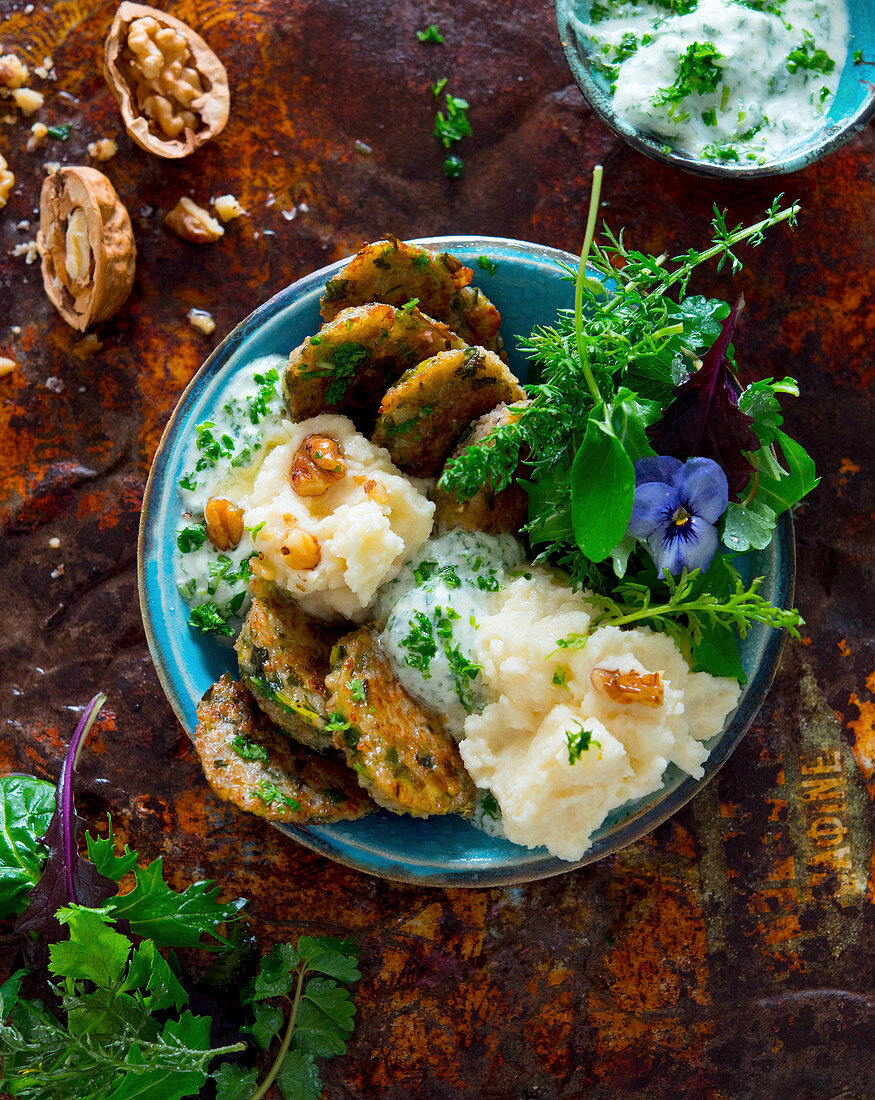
(649, 468)
(102, 1007)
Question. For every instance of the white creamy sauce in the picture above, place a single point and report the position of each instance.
(434, 607)
(756, 82)
(222, 459)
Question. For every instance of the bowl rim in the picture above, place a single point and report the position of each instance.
(600, 102)
(367, 860)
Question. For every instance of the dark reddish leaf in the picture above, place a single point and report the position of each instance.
(67, 878)
(704, 421)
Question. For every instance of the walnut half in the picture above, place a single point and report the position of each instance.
(171, 88)
(86, 246)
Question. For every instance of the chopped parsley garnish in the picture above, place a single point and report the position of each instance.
(572, 641)
(343, 364)
(560, 678)
(453, 125)
(249, 749)
(357, 691)
(411, 304)
(61, 132)
(463, 672)
(335, 290)
(720, 152)
(259, 405)
(710, 117)
(578, 741)
(191, 538)
(697, 72)
(858, 57)
(489, 266)
(422, 261)
(269, 794)
(489, 806)
(420, 643)
(430, 34)
(805, 56)
(336, 722)
(208, 619)
(187, 482)
(488, 582)
(437, 88)
(454, 167)
(254, 530)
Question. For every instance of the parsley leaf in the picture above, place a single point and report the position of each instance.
(578, 741)
(453, 125)
(430, 34)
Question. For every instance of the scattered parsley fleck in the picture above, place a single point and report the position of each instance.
(453, 125)
(336, 722)
(489, 806)
(578, 741)
(61, 132)
(805, 56)
(343, 364)
(489, 266)
(559, 678)
(191, 538)
(269, 795)
(454, 167)
(572, 641)
(208, 619)
(420, 643)
(858, 57)
(187, 482)
(430, 34)
(697, 72)
(249, 749)
(357, 691)
(412, 304)
(438, 87)
(254, 530)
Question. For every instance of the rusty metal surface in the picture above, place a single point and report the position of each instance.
(730, 953)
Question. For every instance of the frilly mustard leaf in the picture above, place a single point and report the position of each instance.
(26, 806)
(299, 1078)
(101, 852)
(159, 1084)
(602, 488)
(781, 493)
(171, 918)
(760, 403)
(94, 951)
(149, 971)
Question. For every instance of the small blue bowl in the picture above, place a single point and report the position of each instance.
(529, 286)
(850, 110)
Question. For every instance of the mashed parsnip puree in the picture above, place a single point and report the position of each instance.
(518, 745)
(365, 525)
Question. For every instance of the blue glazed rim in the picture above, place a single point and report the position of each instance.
(437, 851)
(851, 110)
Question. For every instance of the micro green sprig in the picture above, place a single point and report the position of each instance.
(605, 375)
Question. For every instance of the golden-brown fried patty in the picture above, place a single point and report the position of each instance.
(249, 762)
(348, 365)
(401, 751)
(424, 412)
(495, 513)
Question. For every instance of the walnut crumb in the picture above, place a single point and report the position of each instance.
(7, 366)
(7, 181)
(52, 166)
(102, 149)
(54, 543)
(37, 138)
(13, 71)
(201, 320)
(192, 223)
(227, 207)
(28, 249)
(28, 100)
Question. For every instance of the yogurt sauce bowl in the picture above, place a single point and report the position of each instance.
(830, 92)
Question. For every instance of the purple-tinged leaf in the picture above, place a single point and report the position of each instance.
(704, 420)
(67, 878)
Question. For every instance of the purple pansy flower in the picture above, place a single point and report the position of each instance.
(675, 509)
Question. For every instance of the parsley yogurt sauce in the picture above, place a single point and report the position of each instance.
(722, 80)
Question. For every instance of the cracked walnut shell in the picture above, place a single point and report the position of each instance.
(86, 246)
(171, 88)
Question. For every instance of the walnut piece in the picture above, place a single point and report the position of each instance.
(193, 223)
(13, 71)
(224, 523)
(300, 549)
(202, 320)
(86, 246)
(38, 134)
(7, 366)
(28, 100)
(171, 88)
(7, 181)
(102, 149)
(317, 465)
(629, 687)
(227, 207)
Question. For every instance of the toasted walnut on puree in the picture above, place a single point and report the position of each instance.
(171, 88)
(86, 246)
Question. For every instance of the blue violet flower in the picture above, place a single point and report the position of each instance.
(676, 506)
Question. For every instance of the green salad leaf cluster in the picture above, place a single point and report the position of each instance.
(101, 1008)
(619, 378)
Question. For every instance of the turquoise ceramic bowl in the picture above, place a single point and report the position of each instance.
(851, 109)
(528, 286)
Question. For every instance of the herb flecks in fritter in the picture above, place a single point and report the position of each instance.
(249, 762)
(400, 751)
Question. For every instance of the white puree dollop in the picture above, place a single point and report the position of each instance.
(365, 525)
(518, 745)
